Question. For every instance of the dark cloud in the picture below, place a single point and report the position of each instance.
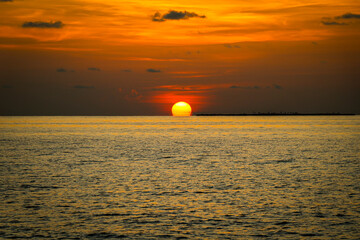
(61, 70)
(278, 87)
(39, 24)
(151, 70)
(83, 87)
(348, 16)
(94, 69)
(175, 15)
(6, 0)
(7, 86)
(157, 17)
(246, 87)
(329, 23)
(126, 70)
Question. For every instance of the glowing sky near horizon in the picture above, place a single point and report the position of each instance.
(140, 57)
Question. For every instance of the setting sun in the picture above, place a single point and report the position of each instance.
(181, 109)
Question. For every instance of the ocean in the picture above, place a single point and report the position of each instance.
(240, 177)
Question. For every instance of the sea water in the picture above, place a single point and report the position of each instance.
(268, 177)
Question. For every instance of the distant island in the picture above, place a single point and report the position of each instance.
(274, 114)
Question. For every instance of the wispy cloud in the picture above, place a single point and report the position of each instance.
(346, 16)
(329, 23)
(192, 76)
(175, 15)
(6, 0)
(189, 88)
(185, 72)
(39, 24)
(155, 59)
(172, 89)
(189, 74)
(151, 70)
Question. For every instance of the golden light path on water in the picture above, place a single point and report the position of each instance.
(195, 178)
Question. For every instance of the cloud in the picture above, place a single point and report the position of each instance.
(7, 86)
(151, 70)
(246, 87)
(83, 87)
(133, 95)
(6, 0)
(348, 16)
(329, 23)
(157, 17)
(278, 87)
(39, 24)
(94, 69)
(61, 70)
(175, 15)
(127, 70)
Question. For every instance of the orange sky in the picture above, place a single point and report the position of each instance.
(139, 57)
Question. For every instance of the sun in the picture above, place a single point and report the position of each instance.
(181, 109)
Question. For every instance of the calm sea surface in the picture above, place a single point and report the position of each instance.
(273, 177)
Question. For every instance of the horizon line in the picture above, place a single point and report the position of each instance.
(198, 114)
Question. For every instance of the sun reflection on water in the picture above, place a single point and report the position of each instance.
(198, 177)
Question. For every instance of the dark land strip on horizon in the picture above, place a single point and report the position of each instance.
(274, 114)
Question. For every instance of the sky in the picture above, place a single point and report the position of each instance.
(91, 57)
